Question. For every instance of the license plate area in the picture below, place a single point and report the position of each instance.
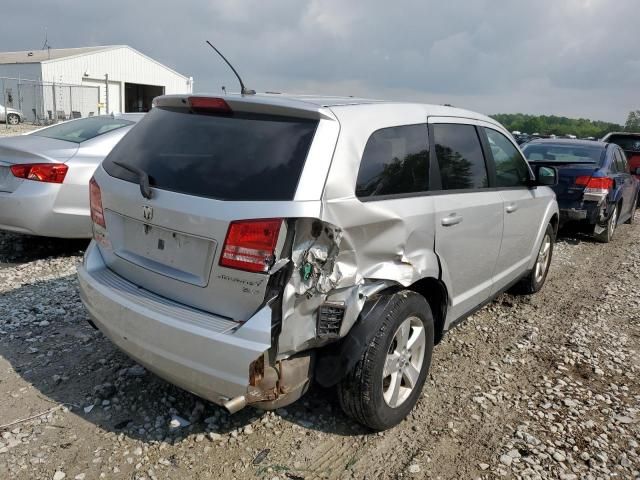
(184, 257)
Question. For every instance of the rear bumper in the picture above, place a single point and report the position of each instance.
(582, 213)
(37, 208)
(207, 355)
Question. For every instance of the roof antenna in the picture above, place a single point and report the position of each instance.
(243, 89)
(46, 39)
(46, 44)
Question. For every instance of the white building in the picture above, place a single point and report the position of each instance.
(111, 79)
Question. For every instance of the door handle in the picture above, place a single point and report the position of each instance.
(451, 220)
(512, 207)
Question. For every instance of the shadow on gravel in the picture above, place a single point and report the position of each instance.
(574, 236)
(16, 248)
(48, 342)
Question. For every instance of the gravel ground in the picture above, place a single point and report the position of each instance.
(545, 386)
(15, 129)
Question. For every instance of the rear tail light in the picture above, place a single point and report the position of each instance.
(595, 184)
(250, 244)
(209, 104)
(41, 172)
(95, 202)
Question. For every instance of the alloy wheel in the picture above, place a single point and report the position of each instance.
(543, 258)
(404, 361)
(612, 221)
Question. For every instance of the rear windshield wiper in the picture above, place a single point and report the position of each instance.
(143, 178)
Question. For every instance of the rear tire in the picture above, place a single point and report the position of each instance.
(535, 279)
(13, 119)
(385, 384)
(610, 228)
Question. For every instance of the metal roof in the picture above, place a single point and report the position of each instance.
(322, 101)
(38, 56)
(262, 102)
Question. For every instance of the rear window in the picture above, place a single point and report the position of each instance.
(394, 162)
(79, 131)
(563, 153)
(630, 143)
(227, 157)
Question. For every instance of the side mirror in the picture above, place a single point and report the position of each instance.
(545, 176)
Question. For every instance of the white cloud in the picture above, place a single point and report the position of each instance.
(569, 57)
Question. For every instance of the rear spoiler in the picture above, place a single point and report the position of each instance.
(260, 104)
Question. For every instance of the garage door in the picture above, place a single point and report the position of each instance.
(115, 95)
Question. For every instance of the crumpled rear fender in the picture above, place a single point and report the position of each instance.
(374, 248)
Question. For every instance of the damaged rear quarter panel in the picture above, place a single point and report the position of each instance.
(362, 247)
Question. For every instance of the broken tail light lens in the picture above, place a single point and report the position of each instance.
(41, 172)
(250, 245)
(209, 105)
(95, 202)
(595, 184)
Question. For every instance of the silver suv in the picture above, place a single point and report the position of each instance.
(247, 245)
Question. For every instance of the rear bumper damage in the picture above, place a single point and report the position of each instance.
(314, 298)
(586, 214)
(213, 357)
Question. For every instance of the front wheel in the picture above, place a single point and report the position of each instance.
(535, 279)
(385, 384)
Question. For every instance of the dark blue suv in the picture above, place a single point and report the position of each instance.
(595, 190)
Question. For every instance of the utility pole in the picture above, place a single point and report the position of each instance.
(4, 102)
(55, 105)
(106, 92)
(19, 95)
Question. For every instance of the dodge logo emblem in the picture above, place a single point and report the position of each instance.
(147, 212)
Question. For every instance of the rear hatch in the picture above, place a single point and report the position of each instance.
(576, 162)
(27, 149)
(207, 166)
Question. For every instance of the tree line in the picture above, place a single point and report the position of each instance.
(551, 124)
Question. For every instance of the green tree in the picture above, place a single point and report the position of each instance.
(551, 124)
(633, 122)
(455, 170)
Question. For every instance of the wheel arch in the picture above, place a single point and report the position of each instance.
(335, 360)
(551, 216)
(555, 223)
(436, 294)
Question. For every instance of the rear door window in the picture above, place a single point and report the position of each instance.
(236, 156)
(511, 168)
(395, 162)
(460, 158)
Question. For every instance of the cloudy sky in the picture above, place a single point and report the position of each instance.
(569, 57)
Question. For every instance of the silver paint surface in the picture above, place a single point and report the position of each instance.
(363, 246)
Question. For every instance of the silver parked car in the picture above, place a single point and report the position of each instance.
(246, 245)
(12, 116)
(44, 175)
